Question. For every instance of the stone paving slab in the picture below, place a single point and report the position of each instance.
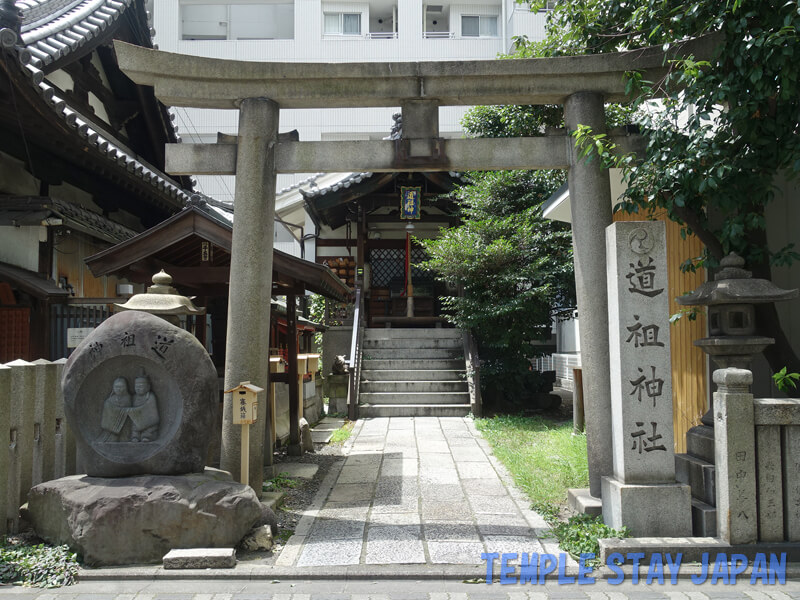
(415, 491)
(298, 470)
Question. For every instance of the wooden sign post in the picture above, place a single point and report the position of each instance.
(245, 413)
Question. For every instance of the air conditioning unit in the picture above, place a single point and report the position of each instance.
(434, 8)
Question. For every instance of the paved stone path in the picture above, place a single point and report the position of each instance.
(415, 490)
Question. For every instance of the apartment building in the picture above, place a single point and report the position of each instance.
(333, 31)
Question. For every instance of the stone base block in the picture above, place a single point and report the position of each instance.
(336, 391)
(200, 558)
(692, 549)
(699, 475)
(582, 502)
(648, 510)
(140, 519)
(700, 442)
(704, 519)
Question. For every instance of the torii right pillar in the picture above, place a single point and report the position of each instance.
(590, 202)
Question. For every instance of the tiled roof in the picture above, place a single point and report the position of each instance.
(346, 181)
(50, 30)
(73, 215)
(94, 222)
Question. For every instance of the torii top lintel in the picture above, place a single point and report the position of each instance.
(193, 81)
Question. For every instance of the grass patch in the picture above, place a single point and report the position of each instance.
(544, 458)
(281, 481)
(342, 434)
(37, 565)
(283, 535)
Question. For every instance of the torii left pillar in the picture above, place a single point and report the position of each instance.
(247, 344)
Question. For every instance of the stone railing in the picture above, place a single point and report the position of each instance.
(757, 456)
(40, 446)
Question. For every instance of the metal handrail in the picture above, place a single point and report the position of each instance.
(355, 359)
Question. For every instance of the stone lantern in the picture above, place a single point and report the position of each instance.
(163, 300)
(731, 300)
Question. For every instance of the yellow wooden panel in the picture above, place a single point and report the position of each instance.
(689, 389)
(93, 287)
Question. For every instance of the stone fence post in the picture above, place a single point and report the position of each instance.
(734, 456)
(5, 455)
(40, 445)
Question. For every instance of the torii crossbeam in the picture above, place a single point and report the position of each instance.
(582, 84)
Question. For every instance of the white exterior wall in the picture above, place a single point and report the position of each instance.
(20, 246)
(309, 44)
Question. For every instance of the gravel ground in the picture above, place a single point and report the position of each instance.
(296, 499)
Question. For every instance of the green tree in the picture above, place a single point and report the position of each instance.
(725, 128)
(513, 266)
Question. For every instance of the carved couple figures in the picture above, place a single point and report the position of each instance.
(129, 418)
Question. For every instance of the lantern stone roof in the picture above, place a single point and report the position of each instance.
(735, 285)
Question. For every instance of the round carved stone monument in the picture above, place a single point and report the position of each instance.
(140, 395)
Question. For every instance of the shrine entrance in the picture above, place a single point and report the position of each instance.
(581, 84)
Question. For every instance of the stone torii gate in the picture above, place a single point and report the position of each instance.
(582, 84)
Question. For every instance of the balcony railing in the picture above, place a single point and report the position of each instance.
(438, 35)
(382, 35)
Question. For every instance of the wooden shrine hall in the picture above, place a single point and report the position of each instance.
(194, 247)
(363, 231)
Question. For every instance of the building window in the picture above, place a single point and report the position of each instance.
(224, 21)
(478, 26)
(342, 23)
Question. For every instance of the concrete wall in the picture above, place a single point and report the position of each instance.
(41, 446)
(335, 341)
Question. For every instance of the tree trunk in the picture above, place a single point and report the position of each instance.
(780, 354)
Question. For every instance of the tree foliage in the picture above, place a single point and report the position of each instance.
(724, 129)
(513, 267)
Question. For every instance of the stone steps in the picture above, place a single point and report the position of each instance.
(411, 353)
(413, 372)
(412, 387)
(414, 343)
(699, 474)
(700, 442)
(414, 410)
(383, 398)
(386, 333)
(419, 374)
(411, 364)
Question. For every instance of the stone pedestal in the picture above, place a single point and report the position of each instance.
(118, 521)
(649, 510)
(336, 390)
(642, 494)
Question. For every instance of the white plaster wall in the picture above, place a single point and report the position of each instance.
(19, 246)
